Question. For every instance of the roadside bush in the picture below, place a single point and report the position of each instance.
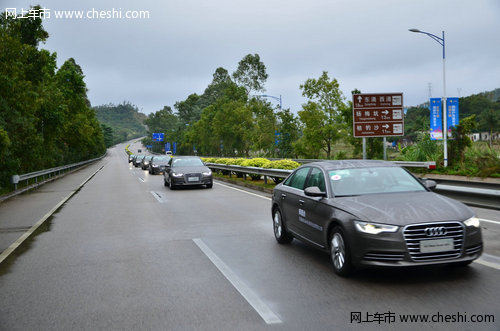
(257, 162)
(281, 164)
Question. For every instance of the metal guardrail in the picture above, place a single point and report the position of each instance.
(15, 179)
(470, 193)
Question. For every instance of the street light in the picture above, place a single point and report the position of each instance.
(271, 96)
(445, 115)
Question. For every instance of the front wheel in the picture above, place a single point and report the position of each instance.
(210, 185)
(280, 233)
(340, 253)
(170, 184)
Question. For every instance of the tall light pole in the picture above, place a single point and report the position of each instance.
(443, 102)
(272, 96)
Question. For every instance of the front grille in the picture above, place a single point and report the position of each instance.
(384, 256)
(416, 233)
(474, 249)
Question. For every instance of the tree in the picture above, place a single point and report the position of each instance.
(251, 73)
(321, 116)
(288, 129)
(490, 119)
(461, 140)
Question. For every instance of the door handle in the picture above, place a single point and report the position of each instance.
(301, 202)
(283, 195)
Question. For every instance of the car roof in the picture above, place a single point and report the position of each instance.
(186, 157)
(346, 164)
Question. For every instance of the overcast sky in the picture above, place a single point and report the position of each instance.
(364, 44)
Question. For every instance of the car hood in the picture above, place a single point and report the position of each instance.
(403, 208)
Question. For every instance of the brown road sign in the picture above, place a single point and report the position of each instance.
(378, 115)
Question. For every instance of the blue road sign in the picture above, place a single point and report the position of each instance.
(174, 150)
(158, 136)
(167, 147)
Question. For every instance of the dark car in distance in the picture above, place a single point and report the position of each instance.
(158, 164)
(373, 213)
(131, 158)
(187, 171)
(138, 160)
(146, 161)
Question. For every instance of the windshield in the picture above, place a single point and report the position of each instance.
(359, 181)
(188, 162)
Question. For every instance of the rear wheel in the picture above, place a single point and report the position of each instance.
(340, 253)
(280, 233)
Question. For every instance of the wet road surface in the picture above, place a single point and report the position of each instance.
(127, 253)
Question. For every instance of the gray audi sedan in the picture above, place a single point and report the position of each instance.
(373, 213)
(187, 171)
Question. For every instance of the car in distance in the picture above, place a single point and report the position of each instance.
(158, 164)
(145, 162)
(131, 158)
(138, 160)
(187, 171)
(373, 213)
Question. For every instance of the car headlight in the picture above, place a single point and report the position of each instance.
(154, 165)
(177, 174)
(473, 221)
(374, 228)
(207, 173)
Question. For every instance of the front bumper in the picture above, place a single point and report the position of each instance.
(191, 180)
(396, 249)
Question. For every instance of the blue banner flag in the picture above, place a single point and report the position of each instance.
(436, 121)
(452, 113)
(167, 147)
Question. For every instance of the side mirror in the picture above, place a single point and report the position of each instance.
(430, 184)
(314, 191)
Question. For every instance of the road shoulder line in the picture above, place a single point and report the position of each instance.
(7, 252)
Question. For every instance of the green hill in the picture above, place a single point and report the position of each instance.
(124, 119)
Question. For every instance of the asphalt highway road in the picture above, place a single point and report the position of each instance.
(127, 253)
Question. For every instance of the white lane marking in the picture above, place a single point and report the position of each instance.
(490, 264)
(141, 179)
(489, 221)
(237, 189)
(157, 196)
(260, 307)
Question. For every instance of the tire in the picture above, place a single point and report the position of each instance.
(280, 233)
(172, 186)
(210, 185)
(340, 253)
(165, 182)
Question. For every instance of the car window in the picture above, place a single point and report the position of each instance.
(298, 179)
(316, 178)
(361, 181)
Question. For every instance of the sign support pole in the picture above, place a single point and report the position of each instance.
(364, 148)
(385, 148)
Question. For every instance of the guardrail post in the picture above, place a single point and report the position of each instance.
(265, 179)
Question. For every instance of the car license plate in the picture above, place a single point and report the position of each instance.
(193, 179)
(436, 245)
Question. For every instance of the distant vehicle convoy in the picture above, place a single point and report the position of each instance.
(364, 213)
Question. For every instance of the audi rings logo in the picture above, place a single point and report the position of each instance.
(434, 232)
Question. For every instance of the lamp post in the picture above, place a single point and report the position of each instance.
(272, 96)
(445, 112)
